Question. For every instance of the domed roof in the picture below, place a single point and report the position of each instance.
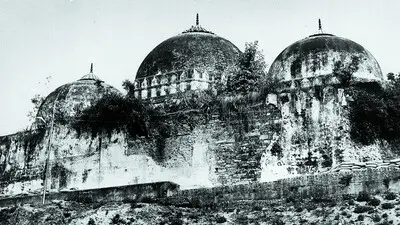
(317, 54)
(69, 99)
(193, 48)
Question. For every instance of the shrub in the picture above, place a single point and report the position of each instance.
(390, 196)
(299, 209)
(135, 205)
(221, 219)
(387, 205)
(112, 113)
(91, 222)
(67, 214)
(148, 199)
(374, 114)
(195, 203)
(363, 197)
(362, 209)
(360, 218)
(386, 182)
(376, 218)
(386, 222)
(345, 180)
(117, 220)
(347, 197)
(374, 202)
(277, 221)
(290, 199)
(337, 217)
(257, 208)
(311, 206)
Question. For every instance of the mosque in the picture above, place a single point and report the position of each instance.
(303, 128)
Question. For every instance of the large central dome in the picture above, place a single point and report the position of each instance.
(195, 48)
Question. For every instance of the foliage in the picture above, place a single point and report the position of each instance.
(390, 196)
(115, 112)
(200, 101)
(37, 100)
(91, 221)
(375, 113)
(346, 179)
(387, 205)
(129, 87)
(374, 202)
(363, 209)
(345, 71)
(6, 213)
(277, 150)
(249, 73)
(117, 220)
(220, 219)
(363, 197)
(31, 139)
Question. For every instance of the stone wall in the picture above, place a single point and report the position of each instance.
(22, 161)
(328, 186)
(130, 193)
(320, 187)
(299, 131)
(315, 133)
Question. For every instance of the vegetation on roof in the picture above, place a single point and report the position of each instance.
(375, 112)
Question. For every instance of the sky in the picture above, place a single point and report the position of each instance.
(47, 43)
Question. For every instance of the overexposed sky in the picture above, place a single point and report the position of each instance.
(60, 38)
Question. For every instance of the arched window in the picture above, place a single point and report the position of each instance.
(144, 83)
(173, 78)
(154, 81)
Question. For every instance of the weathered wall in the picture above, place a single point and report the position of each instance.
(130, 193)
(21, 162)
(315, 133)
(329, 186)
(300, 131)
(320, 187)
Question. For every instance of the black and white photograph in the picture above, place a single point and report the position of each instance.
(179, 112)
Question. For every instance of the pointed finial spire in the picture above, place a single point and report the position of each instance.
(197, 19)
(91, 68)
(319, 26)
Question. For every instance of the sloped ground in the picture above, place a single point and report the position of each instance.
(382, 208)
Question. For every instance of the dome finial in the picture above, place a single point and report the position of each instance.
(319, 26)
(197, 27)
(91, 67)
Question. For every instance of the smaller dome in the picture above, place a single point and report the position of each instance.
(70, 99)
(316, 56)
